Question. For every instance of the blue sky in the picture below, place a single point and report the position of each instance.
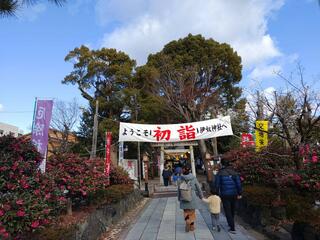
(270, 35)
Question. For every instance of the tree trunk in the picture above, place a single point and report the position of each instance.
(207, 165)
(203, 148)
(296, 157)
(215, 146)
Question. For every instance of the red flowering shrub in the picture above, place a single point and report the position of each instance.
(28, 199)
(119, 176)
(275, 167)
(309, 180)
(81, 178)
(270, 167)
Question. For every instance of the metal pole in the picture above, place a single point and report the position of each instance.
(139, 167)
(193, 168)
(161, 164)
(34, 114)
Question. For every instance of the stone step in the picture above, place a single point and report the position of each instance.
(164, 194)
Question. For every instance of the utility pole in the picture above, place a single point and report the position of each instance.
(95, 133)
(139, 164)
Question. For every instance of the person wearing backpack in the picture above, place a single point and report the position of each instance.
(228, 184)
(188, 190)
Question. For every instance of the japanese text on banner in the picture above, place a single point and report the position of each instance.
(175, 132)
(41, 123)
(261, 134)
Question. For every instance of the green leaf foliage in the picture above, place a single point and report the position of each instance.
(196, 76)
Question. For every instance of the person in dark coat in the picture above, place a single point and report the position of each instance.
(166, 174)
(189, 207)
(228, 184)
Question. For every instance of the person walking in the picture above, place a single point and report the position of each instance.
(188, 190)
(215, 208)
(166, 174)
(228, 184)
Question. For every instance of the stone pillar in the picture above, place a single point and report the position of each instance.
(161, 164)
(193, 166)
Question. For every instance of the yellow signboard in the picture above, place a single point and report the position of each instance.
(261, 134)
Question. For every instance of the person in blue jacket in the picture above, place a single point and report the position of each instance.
(166, 174)
(228, 184)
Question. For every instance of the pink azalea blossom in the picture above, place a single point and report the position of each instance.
(21, 213)
(2, 230)
(46, 211)
(37, 192)
(1, 212)
(62, 199)
(35, 224)
(19, 202)
(296, 177)
(6, 207)
(15, 166)
(25, 185)
(45, 221)
(314, 158)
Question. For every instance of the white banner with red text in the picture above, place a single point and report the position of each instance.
(131, 132)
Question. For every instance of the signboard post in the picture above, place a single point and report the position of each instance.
(108, 150)
(146, 173)
(131, 166)
(121, 150)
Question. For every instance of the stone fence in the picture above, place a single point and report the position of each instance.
(97, 222)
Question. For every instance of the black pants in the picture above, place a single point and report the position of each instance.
(166, 181)
(229, 206)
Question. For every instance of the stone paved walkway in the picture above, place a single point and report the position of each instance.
(163, 220)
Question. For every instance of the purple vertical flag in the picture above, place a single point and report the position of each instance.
(41, 123)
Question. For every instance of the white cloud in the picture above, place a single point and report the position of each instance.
(264, 71)
(251, 106)
(141, 27)
(268, 92)
(268, 71)
(31, 13)
(1, 107)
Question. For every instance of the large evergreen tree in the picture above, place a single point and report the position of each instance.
(198, 77)
(10, 7)
(100, 75)
(125, 93)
